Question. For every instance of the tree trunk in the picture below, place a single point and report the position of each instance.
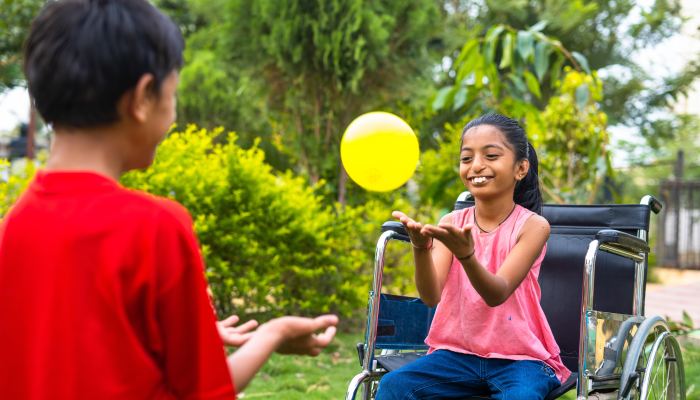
(343, 178)
(342, 185)
(30, 130)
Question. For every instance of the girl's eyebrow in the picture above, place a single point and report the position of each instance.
(488, 146)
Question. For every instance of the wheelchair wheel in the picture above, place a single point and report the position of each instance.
(663, 377)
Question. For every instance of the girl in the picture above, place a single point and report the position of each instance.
(489, 335)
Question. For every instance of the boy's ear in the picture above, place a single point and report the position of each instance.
(141, 98)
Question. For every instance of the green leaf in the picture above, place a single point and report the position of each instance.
(687, 321)
(518, 64)
(507, 45)
(582, 61)
(513, 92)
(492, 73)
(525, 43)
(490, 50)
(494, 32)
(538, 26)
(532, 84)
(490, 45)
(541, 60)
(471, 45)
(470, 63)
(460, 98)
(582, 95)
(556, 70)
(518, 83)
(441, 97)
(479, 74)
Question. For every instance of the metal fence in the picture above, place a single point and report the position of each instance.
(678, 243)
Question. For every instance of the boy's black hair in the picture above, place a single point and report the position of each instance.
(81, 56)
(527, 191)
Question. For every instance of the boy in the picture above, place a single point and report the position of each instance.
(102, 293)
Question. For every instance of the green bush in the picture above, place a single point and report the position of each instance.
(15, 178)
(270, 246)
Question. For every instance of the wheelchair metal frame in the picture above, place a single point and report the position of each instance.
(617, 325)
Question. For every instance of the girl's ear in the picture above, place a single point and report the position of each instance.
(522, 169)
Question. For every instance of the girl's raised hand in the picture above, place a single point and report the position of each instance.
(459, 241)
(413, 229)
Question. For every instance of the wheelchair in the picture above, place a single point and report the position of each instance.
(613, 350)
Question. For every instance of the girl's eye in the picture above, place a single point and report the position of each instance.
(466, 159)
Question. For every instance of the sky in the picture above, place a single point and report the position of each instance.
(14, 108)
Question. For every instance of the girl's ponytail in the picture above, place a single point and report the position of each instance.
(527, 191)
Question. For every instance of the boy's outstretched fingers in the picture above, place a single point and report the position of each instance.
(299, 334)
(235, 335)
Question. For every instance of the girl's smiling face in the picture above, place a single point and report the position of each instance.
(487, 163)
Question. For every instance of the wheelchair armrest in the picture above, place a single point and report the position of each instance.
(623, 240)
(397, 227)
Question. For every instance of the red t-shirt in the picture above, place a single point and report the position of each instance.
(102, 296)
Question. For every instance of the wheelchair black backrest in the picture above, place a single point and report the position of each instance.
(561, 275)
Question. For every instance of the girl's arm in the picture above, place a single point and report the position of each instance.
(433, 266)
(495, 288)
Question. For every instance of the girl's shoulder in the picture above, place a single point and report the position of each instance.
(529, 221)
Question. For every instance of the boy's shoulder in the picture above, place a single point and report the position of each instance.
(161, 208)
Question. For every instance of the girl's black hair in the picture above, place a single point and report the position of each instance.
(527, 191)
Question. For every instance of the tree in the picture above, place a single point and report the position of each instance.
(324, 63)
(15, 19)
(606, 32)
(505, 72)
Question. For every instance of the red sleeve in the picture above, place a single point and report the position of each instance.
(193, 356)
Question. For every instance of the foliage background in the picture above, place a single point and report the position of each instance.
(290, 75)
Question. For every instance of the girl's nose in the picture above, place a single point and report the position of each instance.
(477, 164)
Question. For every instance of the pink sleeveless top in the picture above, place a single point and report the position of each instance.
(515, 330)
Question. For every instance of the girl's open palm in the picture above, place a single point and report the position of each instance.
(413, 229)
(458, 240)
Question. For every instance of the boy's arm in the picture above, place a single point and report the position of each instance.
(286, 335)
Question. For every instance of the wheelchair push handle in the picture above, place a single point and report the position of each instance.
(653, 203)
(397, 227)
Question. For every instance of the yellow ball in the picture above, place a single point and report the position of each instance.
(379, 151)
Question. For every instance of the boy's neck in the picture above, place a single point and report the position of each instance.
(101, 150)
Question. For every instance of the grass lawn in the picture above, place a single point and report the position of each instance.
(326, 377)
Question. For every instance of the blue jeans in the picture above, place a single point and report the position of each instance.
(448, 375)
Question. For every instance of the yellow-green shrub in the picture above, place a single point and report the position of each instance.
(269, 244)
(15, 180)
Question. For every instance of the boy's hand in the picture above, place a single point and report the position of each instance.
(458, 240)
(235, 336)
(297, 334)
(414, 230)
